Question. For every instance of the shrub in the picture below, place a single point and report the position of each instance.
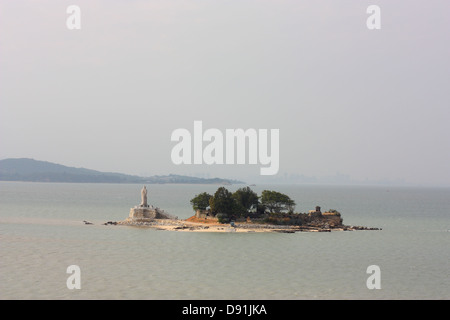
(222, 218)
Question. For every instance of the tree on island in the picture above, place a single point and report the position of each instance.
(201, 201)
(225, 205)
(222, 201)
(246, 199)
(222, 204)
(277, 202)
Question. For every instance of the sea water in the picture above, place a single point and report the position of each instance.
(42, 233)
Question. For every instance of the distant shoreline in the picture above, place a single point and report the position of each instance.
(30, 170)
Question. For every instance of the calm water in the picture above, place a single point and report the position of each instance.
(42, 233)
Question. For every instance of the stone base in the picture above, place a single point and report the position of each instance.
(144, 214)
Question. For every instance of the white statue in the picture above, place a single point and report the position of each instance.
(144, 197)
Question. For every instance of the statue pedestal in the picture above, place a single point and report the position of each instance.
(143, 214)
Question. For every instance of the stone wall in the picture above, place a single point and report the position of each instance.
(333, 218)
(141, 213)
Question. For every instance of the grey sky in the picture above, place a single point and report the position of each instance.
(368, 103)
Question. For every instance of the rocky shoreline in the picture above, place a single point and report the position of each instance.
(188, 226)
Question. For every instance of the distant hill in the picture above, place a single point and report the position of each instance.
(24, 169)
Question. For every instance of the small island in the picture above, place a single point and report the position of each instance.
(240, 211)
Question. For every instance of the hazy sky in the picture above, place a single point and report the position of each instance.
(373, 104)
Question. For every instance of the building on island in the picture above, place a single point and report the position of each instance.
(331, 217)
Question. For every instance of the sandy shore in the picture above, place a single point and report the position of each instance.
(188, 226)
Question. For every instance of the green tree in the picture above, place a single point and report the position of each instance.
(277, 202)
(222, 202)
(246, 199)
(201, 201)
